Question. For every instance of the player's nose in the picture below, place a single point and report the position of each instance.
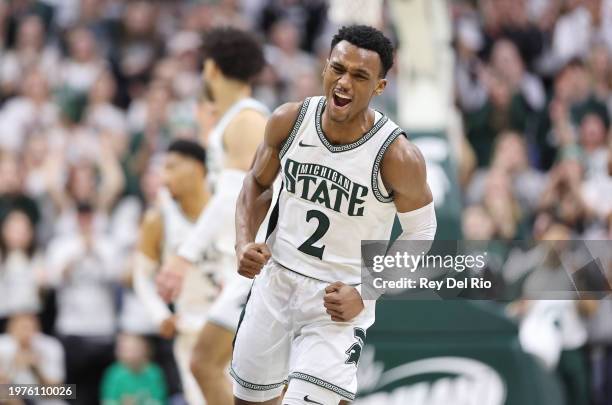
(344, 82)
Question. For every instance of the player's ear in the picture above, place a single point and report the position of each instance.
(380, 87)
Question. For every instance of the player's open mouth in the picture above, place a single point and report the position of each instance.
(341, 100)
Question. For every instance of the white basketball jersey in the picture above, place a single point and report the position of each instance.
(215, 161)
(215, 152)
(199, 290)
(332, 198)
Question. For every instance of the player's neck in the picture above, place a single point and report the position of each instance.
(193, 203)
(345, 132)
(229, 94)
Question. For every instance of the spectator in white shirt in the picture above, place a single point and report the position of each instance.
(506, 59)
(32, 110)
(85, 268)
(101, 113)
(20, 265)
(30, 53)
(83, 67)
(29, 357)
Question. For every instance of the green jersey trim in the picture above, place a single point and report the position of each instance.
(323, 384)
(350, 146)
(376, 168)
(294, 130)
(252, 386)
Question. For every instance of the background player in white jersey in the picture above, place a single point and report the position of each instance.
(164, 228)
(232, 59)
(347, 171)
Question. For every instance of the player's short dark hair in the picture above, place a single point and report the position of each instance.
(190, 149)
(237, 53)
(366, 37)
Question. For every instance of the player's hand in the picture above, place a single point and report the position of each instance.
(170, 279)
(251, 258)
(167, 329)
(343, 302)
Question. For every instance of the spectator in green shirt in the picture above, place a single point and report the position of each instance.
(133, 379)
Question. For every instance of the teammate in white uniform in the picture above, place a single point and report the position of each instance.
(232, 59)
(163, 229)
(347, 172)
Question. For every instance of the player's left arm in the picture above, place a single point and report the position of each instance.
(241, 139)
(404, 175)
(145, 264)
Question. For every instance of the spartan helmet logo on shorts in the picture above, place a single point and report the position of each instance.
(354, 352)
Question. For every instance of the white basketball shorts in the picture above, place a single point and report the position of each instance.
(226, 309)
(285, 334)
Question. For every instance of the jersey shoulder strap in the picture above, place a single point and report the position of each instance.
(236, 108)
(306, 114)
(388, 134)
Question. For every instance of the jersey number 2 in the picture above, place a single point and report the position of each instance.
(322, 227)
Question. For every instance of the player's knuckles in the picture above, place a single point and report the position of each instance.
(251, 263)
(254, 256)
(332, 299)
(341, 316)
(243, 264)
(333, 305)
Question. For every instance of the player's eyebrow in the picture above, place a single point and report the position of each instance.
(363, 72)
(359, 71)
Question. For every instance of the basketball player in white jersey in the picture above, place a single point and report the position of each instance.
(164, 228)
(347, 171)
(232, 59)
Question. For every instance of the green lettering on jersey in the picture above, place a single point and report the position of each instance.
(355, 201)
(325, 186)
(341, 195)
(306, 180)
(291, 169)
(321, 194)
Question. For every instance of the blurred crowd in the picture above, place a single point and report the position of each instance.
(91, 94)
(92, 91)
(533, 83)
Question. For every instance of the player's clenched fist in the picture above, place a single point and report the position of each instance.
(251, 258)
(343, 302)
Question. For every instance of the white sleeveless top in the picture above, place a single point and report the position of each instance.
(332, 198)
(199, 292)
(233, 178)
(215, 152)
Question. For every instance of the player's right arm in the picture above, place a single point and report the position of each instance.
(254, 199)
(146, 262)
